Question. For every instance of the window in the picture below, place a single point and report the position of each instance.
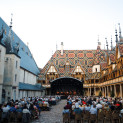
(16, 64)
(15, 77)
(24, 77)
(96, 69)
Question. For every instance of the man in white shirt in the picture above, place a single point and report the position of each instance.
(5, 108)
(93, 110)
(98, 106)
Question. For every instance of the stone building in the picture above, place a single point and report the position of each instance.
(18, 69)
(100, 71)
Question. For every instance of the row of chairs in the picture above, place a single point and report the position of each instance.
(18, 117)
(44, 107)
(103, 116)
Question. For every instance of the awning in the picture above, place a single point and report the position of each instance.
(26, 86)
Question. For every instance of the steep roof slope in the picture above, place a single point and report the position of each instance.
(84, 57)
(27, 61)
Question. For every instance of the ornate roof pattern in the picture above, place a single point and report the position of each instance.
(27, 61)
(121, 48)
(99, 57)
(85, 58)
(103, 65)
(112, 56)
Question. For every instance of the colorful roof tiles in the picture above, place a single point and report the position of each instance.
(85, 58)
(121, 49)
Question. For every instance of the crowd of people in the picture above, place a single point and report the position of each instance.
(93, 105)
(25, 109)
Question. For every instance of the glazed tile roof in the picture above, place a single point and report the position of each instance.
(25, 86)
(27, 61)
(121, 48)
(95, 75)
(84, 57)
(103, 65)
(112, 56)
(99, 57)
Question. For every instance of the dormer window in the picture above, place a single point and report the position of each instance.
(67, 66)
(23, 48)
(27, 53)
(51, 70)
(78, 69)
(67, 63)
(95, 69)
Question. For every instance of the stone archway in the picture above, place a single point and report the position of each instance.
(66, 86)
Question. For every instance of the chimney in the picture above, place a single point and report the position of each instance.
(61, 48)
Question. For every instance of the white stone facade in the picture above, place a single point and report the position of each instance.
(27, 77)
(2, 56)
(17, 67)
(11, 74)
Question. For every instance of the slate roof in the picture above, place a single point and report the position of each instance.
(27, 61)
(25, 86)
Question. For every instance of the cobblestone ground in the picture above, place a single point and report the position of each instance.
(52, 116)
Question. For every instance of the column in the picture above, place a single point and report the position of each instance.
(94, 91)
(121, 91)
(107, 91)
(111, 87)
(90, 91)
(0, 94)
(115, 93)
(102, 91)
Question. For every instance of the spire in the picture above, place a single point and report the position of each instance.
(119, 31)
(111, 43)
(99, 44)
(52, 56)
(10, 26)
(106, 44)
(62, 48)
(27, 44)
(116, 36)
(10, 33)
(56, 46)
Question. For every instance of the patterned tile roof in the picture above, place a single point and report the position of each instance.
(99, 57)
(84, 57)
(103, 65)
(112, 56)
(121, 48)
(27, 61)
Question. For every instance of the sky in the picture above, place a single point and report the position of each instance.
(44, 24)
